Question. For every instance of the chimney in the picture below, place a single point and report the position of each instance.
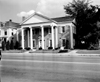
(23, 18)
(10, 20)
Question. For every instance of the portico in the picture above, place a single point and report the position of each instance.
(40, 36)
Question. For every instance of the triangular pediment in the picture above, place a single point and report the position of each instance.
(36, 18)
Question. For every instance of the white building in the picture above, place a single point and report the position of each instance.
(8, 30)
(39, 31)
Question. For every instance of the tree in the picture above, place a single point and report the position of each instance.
(12, 45)
(7, 45)
(87, 18)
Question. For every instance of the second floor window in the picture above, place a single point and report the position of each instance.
(5, 32)
(63, 29)
(0, 32)
(12, 33)
(33, 32)
(49, 30)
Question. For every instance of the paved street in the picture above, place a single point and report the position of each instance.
(35, 67)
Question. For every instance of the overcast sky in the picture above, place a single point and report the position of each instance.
(15, 9)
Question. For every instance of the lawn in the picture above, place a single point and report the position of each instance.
(13, 51)
(88, 51)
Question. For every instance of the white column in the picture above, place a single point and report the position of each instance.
(22, 38)
(52, 33)
(42, 33)
(56, 29)
(71, 37)
(17, 35)
(31, 38)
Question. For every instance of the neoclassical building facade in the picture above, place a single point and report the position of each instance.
(9, 30)
(39, 31)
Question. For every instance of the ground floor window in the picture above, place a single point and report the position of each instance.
(34, 43)
(64, 42)
(50, 43)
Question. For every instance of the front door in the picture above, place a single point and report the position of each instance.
(63, 42)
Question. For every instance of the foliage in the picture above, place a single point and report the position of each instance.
(12, 45)
(87, 22)
(7, 45)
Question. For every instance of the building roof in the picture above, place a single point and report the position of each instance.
(1, 24)
(40, 15)
(63, 19)
(10, 24)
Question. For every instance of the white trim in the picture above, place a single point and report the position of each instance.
(42, 31)
(56, 30)
(29, 17)
(71, 37)
(31, 38)
(52, 34)
(28, 39)
(22, 38)
(37, 25)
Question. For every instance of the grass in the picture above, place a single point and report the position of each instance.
(88, 51)
(13, 51)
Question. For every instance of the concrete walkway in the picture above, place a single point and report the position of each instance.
(70, 53)
(52, 53)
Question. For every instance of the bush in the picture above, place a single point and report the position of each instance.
(28, 48)
(50, 48)
(40, 48)
(20, 48)
(93, 47)
(16, 45)
(56, 48)
(12, 45)
(7, 45)
(62, 51)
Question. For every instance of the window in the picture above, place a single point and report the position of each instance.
(49, 30)
(34, 42)
(50, 43)
(12, 33)
(5, 32)
(63, 29)
(33, 32)
(63, 42)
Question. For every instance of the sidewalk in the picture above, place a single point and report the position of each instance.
(51, 53)
(80, 53)
(69, 53)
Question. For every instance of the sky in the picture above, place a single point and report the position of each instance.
(15, 9)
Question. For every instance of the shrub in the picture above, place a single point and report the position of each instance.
(16, 45)
(40, 48)
(12, 45)
(27, 48)
(56, 48)
(20, 48)
(62, 51)
(7, 45)
(50, 48)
